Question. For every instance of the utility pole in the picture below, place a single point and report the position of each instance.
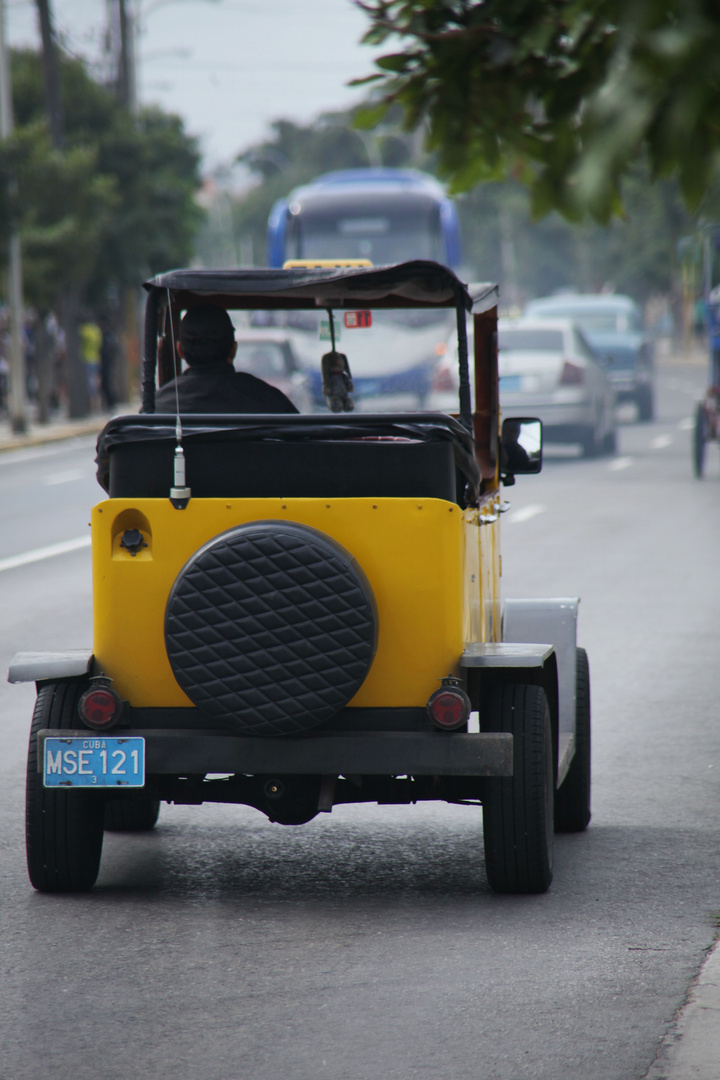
(127, 81)
(70, 294)
(128, 360)
(18, 405)
(51, 77)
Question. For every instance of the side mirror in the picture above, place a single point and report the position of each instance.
(520, 446)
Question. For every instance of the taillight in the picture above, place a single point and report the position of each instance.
(449, 707)
(100, 708)
(443, 379)
(572, 374)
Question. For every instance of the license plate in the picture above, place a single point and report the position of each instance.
(93, 761)
(510, 382)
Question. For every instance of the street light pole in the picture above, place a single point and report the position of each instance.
(18, 405)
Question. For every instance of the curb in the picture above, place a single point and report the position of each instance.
(59, 431)
(691, 1048)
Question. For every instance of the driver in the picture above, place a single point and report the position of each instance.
(210, 383)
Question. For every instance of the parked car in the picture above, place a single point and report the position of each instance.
(296, 612)
(613, 325)
(547, 368)
(269, 355)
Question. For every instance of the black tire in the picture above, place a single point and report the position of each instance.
(609, 445)
(63, 829)
(572, 799)
(700, 435)
(645, 401)
(138, 814)
(590, 443)
(518, 810)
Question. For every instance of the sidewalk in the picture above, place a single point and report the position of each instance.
(54, 431)
(691, 1048)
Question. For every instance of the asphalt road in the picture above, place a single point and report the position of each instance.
(367, 945)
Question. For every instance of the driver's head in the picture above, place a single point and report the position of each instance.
(511, 430)
(206, 335)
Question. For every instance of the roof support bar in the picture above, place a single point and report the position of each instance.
(150, 351)
(465, 396)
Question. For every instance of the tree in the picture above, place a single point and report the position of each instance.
(636, 253)
(565, 95)
(115, 205)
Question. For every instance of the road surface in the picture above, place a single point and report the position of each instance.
(367, 945)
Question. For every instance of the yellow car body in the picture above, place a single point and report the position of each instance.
(309, 606)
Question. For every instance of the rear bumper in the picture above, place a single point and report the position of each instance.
(190, 753)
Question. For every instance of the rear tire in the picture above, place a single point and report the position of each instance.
(645, 405)
(591, 443)
(610, 443)
(572, 799)
(131, 815)
(518, 810)
(63, 829)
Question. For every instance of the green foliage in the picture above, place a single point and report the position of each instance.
(64, 207)
(635, 254)
(562, 94)
(118, 203)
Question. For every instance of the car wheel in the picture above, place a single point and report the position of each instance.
(609, 443)
(572, 799)
(700, 436)
(518, 810)
(590, 443)
(63, 829)
(137, 814)
(645, 404)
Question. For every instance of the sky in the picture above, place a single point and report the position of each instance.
(227, 67)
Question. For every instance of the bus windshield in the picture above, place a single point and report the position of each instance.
(382, 237)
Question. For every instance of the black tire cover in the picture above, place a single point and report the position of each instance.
(271, 628)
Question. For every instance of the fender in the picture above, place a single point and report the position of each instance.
(41, 666)
(552, 621)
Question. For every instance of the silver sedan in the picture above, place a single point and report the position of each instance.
(548, 370)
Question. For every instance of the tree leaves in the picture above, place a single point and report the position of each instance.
(116, 205)
(573, 90)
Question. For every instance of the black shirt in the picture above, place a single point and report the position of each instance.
(218, 388)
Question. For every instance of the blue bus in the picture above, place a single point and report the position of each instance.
(385, 215)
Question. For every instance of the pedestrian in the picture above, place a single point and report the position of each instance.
(90, 344)
(108, 360)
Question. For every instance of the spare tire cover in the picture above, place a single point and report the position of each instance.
(271, 628)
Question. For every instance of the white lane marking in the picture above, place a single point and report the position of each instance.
(687, 424)
(525, 513)
(619, 463)
(661, 441)
(49, 552)
(66, 477)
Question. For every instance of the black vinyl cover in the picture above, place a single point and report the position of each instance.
(405, 447)
(419, 283)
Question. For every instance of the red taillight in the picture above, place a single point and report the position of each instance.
(100, 707)
(572, 374)
(443, 379)
(449, 707)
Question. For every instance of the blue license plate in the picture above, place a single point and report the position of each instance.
(93, 761)
(510, 383)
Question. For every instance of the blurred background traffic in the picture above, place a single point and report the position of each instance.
(138, 137)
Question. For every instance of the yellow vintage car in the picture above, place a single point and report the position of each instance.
(297, 611)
